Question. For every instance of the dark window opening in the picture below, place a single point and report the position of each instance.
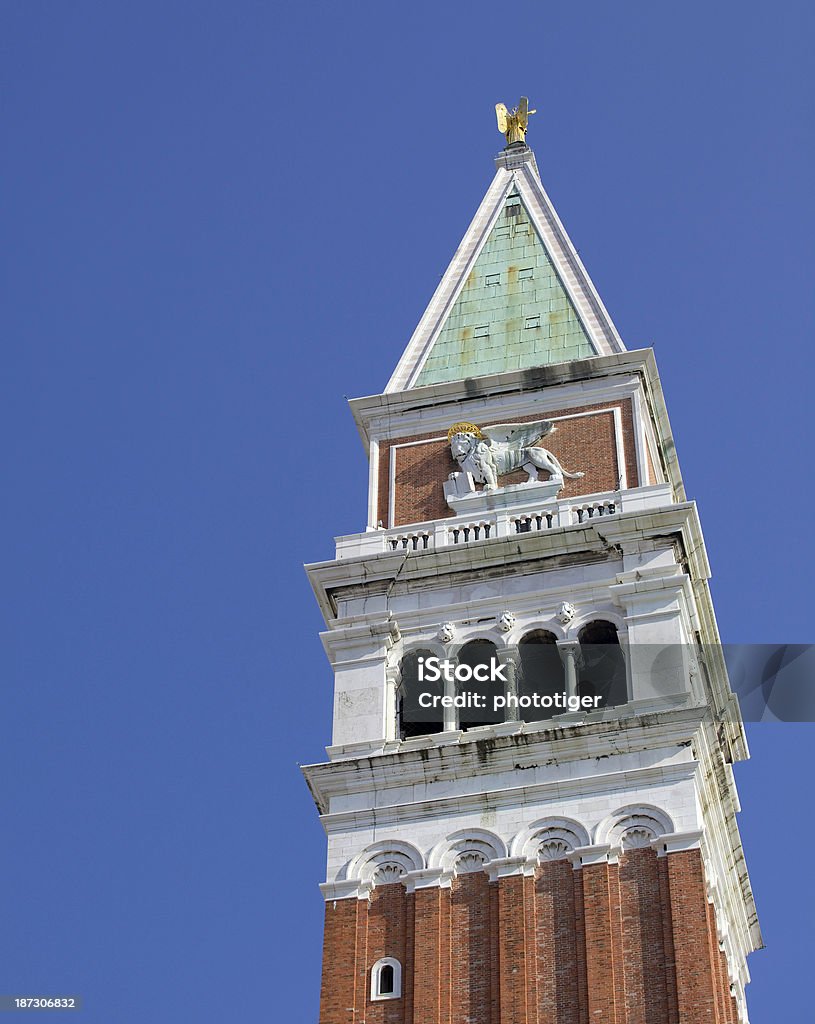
(602, 667)
(541, 673)
(475, 654)
(386, 980)
(412, 718)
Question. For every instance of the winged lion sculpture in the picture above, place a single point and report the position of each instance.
(491, 452)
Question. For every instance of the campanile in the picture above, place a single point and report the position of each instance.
(528, 796)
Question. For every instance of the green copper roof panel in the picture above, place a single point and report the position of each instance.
(512, 313)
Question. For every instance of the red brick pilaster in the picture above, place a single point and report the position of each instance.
(695, 975)
(340, 961)
(644, 961)
(672, 1008)
(603, 934)
(732, 1016)
(386, 936)
(427, 954)
(558, 973)
(495, 972)
(409, 972)
(716, 965)
(516, 950)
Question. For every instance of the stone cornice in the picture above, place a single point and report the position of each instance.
(466, 758)
(530, 552)
(397, 403)
(506, 796)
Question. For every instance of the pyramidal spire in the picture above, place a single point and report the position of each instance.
(515, 294)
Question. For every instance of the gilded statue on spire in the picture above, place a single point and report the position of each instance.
(513, 123)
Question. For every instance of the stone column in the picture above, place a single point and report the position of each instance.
(508, 658)
(392, 679)
(450, 720)
(570, 656)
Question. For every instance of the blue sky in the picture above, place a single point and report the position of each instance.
(218, 220)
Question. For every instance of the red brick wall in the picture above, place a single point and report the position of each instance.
(586, 444)
(633, 943)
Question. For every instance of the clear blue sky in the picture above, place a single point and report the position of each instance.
(217, 220)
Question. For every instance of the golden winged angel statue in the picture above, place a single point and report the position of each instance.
(513, 122)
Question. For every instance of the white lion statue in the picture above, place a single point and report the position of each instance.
(491, 452)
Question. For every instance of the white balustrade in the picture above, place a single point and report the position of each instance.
(456, 530)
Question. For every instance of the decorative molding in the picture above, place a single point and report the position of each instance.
(676, 842)
(447, 632)
(553, 849)
(388, 873)
(506, 621)
(466, 851)
(426, 878)
(634, 825)
(474, 850)
(469, 861)
(637, 838)
(566, 613)
(382, 863)
(601, 853)
(548, 838)
(340, 890)
(504, 867)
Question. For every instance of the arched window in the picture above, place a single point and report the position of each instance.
(602, 669)
(413, 719)
(479, 655)
(541, 673)
(386, 979)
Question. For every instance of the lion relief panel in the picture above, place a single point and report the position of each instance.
(587, 451)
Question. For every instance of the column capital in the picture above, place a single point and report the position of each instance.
(425, 878)
(341, 890)
(676, 842)
(503, 867)
(508, 656)
(568, 648)
(583, 856)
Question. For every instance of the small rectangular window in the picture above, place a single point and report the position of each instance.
(493, 279)
(481, 332)
(513, 207)
(533, 321)
(525, 274)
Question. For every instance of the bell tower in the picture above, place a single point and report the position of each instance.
(528, 797)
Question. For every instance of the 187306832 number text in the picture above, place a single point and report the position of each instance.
(40, 1003)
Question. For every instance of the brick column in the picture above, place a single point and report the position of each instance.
(603, 938)
(716, 964)
(644, 961)
(340, 963)
(427, 955)
(695, 976)
(557, 944)
(517, 967)
(495, 973)
(668, 942)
